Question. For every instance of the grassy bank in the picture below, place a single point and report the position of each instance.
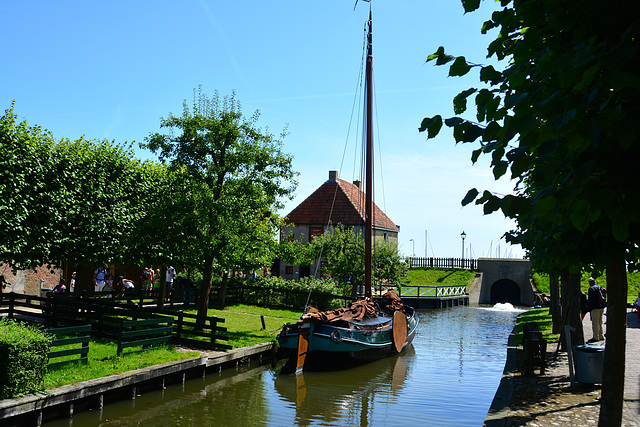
(540, 316)
(633, 279)
(422, 276)
(244, 329)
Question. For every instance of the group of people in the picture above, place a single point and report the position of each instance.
(542, 300)
(104, 281)
(151, 278)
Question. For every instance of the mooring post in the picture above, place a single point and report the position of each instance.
(100, 401)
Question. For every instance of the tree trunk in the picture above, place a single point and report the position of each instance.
(556, 312)
(574, 314)
(205, 290)
(222, 294)
(571, 309)
(614, 353)
(163, 286)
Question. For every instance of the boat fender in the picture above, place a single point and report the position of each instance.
(336, 336)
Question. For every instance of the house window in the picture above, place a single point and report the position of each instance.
(289, 269)
(385, 236)
(315, 232)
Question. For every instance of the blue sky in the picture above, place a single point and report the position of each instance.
(113, 69)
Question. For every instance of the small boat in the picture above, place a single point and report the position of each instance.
(367, 329)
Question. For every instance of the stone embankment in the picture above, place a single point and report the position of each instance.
(551, 400)
(93, 394)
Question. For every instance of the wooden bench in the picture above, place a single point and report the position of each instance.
(535, 349)
(72, 335)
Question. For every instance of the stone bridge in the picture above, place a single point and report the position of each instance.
(502, 280)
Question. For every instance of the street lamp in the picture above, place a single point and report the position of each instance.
(463, 235)
(413, 250)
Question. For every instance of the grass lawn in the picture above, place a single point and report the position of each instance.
(104, 362)
(244, 329)
(542, 317)
(421, 276)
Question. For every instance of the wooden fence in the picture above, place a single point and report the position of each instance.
(68, 336)
(463, 263)
(432, 291)
(107, 316)
(142, 333)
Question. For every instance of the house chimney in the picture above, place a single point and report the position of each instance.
(356, 183)
(333, 175)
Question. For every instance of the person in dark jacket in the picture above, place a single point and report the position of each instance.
(596, 307)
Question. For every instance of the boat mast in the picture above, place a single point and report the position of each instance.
(368, 235)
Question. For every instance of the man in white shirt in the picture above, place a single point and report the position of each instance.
(171, 273)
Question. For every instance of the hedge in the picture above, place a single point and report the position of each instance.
(23, 359)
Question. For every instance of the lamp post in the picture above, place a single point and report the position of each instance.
(463, 235)
(413, 247)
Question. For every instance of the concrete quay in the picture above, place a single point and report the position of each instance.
(549, 399)
(93, 394)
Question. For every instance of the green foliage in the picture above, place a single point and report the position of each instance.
(633, 279)
(342, 251)
(66, 201)
(561, 119)
(276, 291)
(240, 174)
(542, 282)
(23, 359)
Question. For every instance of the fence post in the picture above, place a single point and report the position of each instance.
(12, 302)
(212, 326)
(179, 328)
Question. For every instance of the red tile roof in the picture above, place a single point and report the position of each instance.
(348, 208)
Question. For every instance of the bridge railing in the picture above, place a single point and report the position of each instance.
(464, 263)
(432, 291)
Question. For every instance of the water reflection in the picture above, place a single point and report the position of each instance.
(448, 377)
(338, 396)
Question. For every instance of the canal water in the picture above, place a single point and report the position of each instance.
(448, 377)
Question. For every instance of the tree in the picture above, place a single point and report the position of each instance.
(24, 159)
(342, 252)
(242, 170)
(65, 201)
(561, 117)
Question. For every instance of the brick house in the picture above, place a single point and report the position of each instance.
(311, 217)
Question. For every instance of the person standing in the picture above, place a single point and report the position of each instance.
(638, 306)
(99, 278)
(171, 273)
(596, 300)
(72, 283)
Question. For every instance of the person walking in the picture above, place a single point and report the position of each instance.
(596, 301)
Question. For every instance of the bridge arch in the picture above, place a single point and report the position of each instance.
(503, 280)
(505, 290)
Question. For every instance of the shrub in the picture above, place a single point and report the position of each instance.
(23, 359)
(276, 291)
